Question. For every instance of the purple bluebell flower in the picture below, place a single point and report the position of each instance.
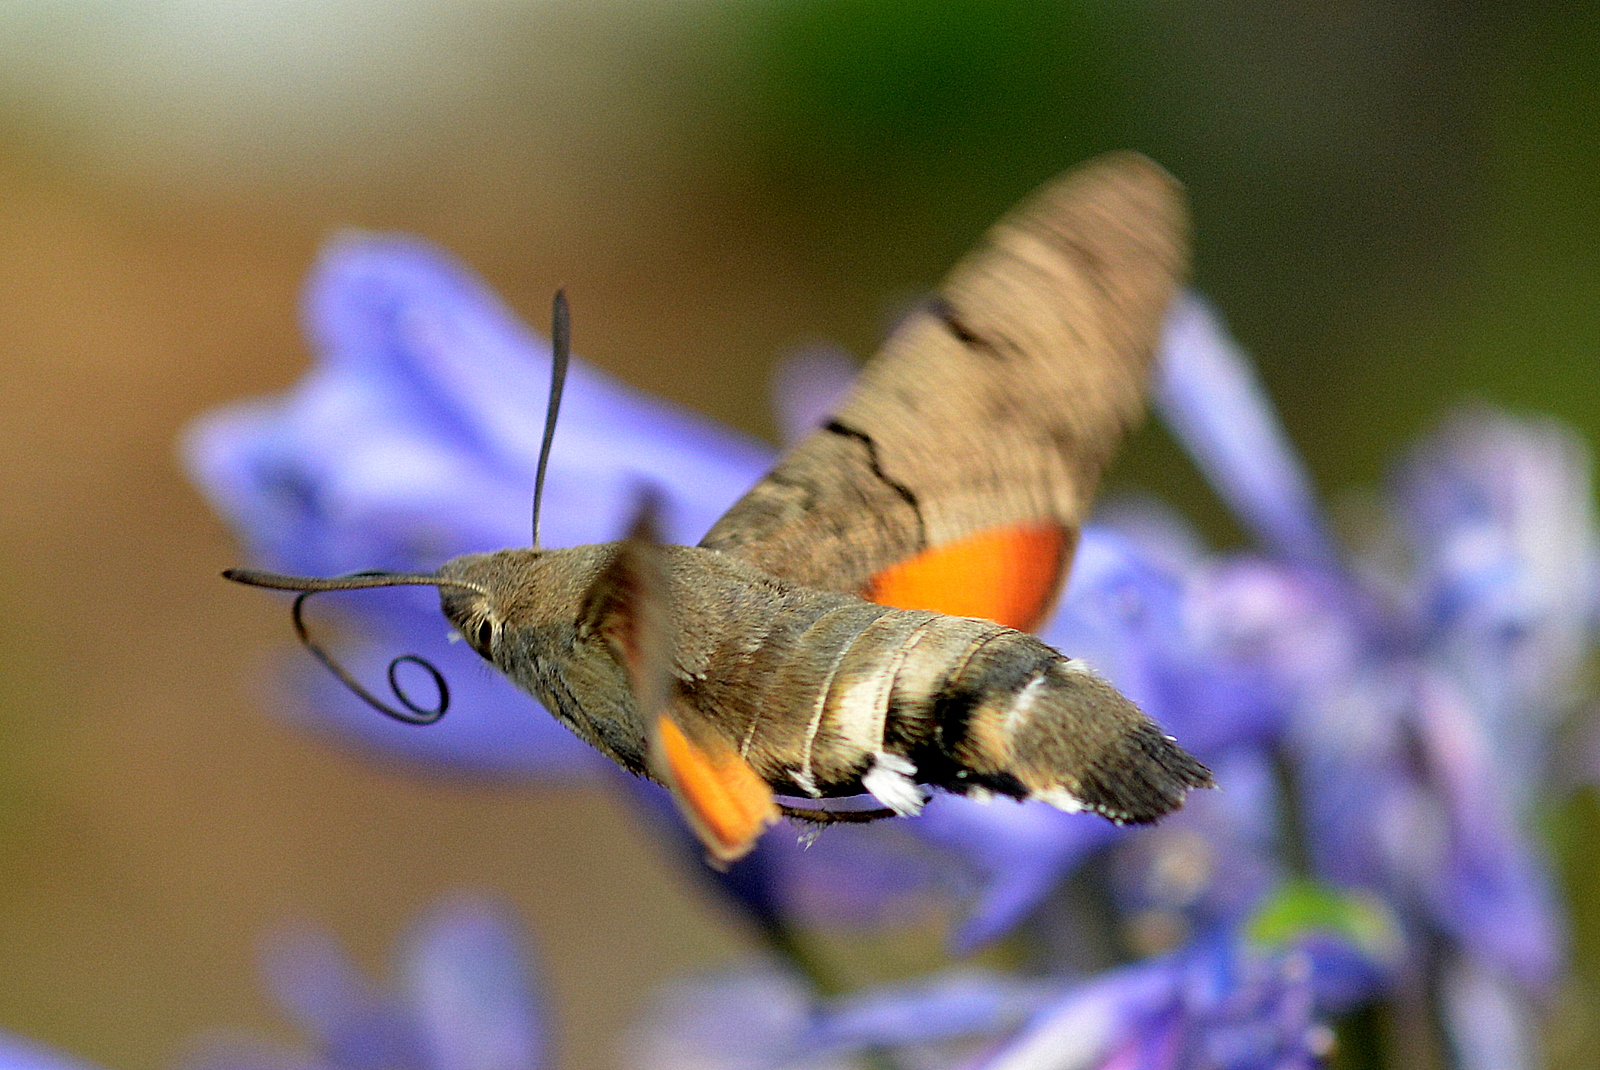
(1214, 1004)
(414, 438)
(465, 1000)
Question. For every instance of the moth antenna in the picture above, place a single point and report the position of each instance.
(560, 353)
(310, 585)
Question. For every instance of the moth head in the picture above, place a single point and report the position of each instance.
(482, 595)
(471, 610)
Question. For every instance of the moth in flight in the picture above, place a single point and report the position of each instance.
(856, 626)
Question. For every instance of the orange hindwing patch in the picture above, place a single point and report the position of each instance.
(1010, 575)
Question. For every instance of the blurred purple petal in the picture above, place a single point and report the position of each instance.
(928, 1011)
(1208, 394)
(415, 437)
(747, 1019)
(1488, 1021)
(1020, 851)
(1147, 628)
(468, 980)
(1079, 1031)
(19, 1054)
(1502, 524)
(1401, 797)
(807, 387)
(467, 1001)
(1361, 802)
(1122, 612)
(1493, 895)
(759, 1017)
(1289, 631)
(312, 980)
(1214, 1005)
(351, 1024)
(1503, 521)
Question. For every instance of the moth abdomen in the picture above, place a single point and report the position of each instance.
(865, 698)
(819, 711)
(1018, 718)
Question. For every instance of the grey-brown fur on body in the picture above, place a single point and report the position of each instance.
(814, 687)
(1000, 402)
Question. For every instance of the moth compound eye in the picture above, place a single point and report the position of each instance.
(482, 636)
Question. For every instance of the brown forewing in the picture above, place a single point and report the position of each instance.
(1000, 402)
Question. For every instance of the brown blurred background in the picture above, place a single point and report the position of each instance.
(1396, 207)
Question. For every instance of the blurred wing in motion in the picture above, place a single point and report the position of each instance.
(958, 470)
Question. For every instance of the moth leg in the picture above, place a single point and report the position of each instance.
(834, 817)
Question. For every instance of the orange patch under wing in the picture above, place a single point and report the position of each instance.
(723, 797)
(1010, 575)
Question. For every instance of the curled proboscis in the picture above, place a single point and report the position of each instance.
(408, 711)
(412, 712)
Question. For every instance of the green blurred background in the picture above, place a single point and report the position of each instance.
(1397, 207)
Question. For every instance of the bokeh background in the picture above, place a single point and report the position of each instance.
(1397, 208)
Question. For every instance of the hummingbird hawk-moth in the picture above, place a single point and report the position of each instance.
(856, 626)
